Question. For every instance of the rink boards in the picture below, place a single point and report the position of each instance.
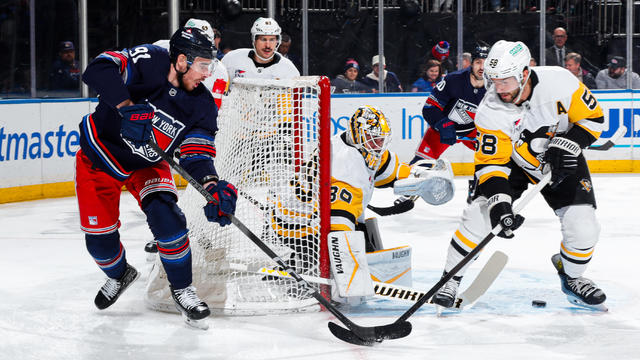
(39, 137)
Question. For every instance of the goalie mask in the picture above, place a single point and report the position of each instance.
(369, 132)
(505, 65)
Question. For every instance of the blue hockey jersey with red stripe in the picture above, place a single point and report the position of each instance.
(454, 97)
(184, 119)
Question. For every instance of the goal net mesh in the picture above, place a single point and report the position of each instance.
(268, 147)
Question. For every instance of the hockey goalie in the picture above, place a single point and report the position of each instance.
(360, 162)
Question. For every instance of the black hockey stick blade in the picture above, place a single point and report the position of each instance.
(395, 209)
(371, 335)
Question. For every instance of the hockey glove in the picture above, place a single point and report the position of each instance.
(136, 123)
(447, 130)
(226, 196)
(562, 156)
(500, 212)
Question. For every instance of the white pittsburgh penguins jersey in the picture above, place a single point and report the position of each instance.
(352, 182)
(559, 102)
(240, 63)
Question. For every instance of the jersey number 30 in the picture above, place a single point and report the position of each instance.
(343, 194)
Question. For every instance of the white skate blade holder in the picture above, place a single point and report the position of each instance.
(201, 324)
(599, 307)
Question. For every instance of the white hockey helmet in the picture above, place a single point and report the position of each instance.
(266, 26)
(201, 25)
(507, 59)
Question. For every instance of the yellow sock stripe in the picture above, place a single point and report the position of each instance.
(463, 239)
(576, 254)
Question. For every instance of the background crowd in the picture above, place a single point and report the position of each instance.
(421, 40)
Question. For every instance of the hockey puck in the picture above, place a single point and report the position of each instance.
(538, 303)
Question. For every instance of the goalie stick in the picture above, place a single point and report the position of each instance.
(474, 291)
(612, 141)
(366, 335)
(353, 338)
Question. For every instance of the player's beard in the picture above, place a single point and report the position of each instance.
(511, 99)
(477, 76)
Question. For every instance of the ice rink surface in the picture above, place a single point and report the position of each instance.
(49, 282)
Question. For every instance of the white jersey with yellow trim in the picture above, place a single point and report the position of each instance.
(239, 63)
(352, 182)
(559, 101)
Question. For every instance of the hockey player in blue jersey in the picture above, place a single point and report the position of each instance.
(451, 108)
(148, 93)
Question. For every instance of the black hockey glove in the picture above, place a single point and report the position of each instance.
(226, 196)
(562, 156)
(447, 130)
(500, 212)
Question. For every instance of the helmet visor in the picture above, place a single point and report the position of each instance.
(203, 66)
(505, 85)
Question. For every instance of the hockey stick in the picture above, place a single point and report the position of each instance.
(475, 290)
(365, 335)
(612, 141)
(398, 207)
(351, 337)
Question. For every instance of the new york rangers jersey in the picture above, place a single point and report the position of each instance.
(186, 119)
(454, 97)
(240, 63)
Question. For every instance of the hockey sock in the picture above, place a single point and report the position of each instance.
(169, 227)
(108, 253)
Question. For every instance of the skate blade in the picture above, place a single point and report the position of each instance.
(151, 257)
(201, 324)
(599, 307)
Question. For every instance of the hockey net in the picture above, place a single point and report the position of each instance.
(273, 145)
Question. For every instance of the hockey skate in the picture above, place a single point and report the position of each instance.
(446, 296)
(151, 249)
(193, 309)
(113, 288)
(580, 291)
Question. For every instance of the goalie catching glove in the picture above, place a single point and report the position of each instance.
(562, 156)
(432, 180)
(226, 196)
(501, 212)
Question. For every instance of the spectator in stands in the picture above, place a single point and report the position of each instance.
(555, 54)
(444, 5)
(65, 71)
(512, 5)
(391, 81)
(466, 60)
(613, 77)
(347, 82)
(440, 52)
(572, 63)
(533, 62)
(284, 48)
(431, 75)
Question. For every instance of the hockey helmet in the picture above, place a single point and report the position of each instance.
(266, 26)
(479, 52)
(191, 42)
(370, 132)
(506, 61)
(201, 25)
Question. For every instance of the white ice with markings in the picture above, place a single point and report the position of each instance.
(49, 282)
